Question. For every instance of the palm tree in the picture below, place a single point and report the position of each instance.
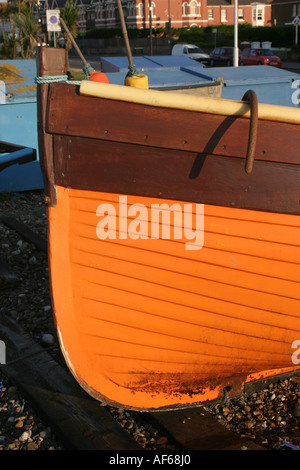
(70, 15)
(9, 48)
(30, 33)
(23, 30)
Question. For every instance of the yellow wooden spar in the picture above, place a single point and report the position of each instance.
(189, 102)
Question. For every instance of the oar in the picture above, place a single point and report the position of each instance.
(89, 72)
(133, 78)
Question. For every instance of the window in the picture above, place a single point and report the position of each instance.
(210, 14)
(194, 8)
(223, 15)
(240, 13)
(131, 9)
(141, 10)
(185, 9)
(259, 14)
(152, 9)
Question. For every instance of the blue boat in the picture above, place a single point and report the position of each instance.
(18, 127)
(271, 85)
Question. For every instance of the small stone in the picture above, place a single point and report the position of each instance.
(47, 338)
(32, 446)
(297, 409)
(162, 440)
(25, 436)
(250, 424)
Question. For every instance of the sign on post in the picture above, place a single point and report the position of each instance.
(52, 18)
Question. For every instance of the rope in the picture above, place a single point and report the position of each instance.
(87, 69)
(132, 70)
(56, 78)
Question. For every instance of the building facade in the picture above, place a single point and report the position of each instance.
(178, 13)
(222, 12)
(284, 11)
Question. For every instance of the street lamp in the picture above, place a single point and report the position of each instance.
(169, 13)
(150, 26)
(236, 49)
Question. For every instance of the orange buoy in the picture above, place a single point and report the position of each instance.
(98, 77)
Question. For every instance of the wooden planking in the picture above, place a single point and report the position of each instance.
(105, 266)
(166, 128)
(196, 429)
(141, 334)
(171, 174)
(194, 308)
(278, 232)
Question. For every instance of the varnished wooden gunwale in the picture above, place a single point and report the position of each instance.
(101, 165)
(117, 121)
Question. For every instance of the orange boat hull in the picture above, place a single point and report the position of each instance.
(158, 313)
(147, 324)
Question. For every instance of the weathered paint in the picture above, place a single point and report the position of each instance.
(18, 123)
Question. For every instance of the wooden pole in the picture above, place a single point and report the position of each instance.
(124, 30)
(73, 41)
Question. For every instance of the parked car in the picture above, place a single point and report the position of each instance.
(252, 56)
(191, 51)
(222, 56)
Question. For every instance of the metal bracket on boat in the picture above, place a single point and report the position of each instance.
(251, 98)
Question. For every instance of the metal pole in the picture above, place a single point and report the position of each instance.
(236, 48)
(150, 26)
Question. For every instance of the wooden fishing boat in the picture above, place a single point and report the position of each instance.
(156, 314)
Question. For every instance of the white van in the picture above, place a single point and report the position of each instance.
(191, 51)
